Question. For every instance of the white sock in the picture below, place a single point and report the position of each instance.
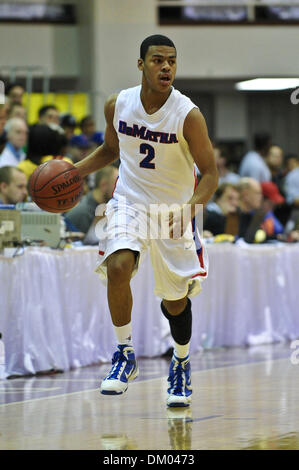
(181, 351)
(124, 334)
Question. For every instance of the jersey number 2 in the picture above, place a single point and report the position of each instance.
(149, 151)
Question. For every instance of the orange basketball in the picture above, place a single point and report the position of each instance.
(56, 186)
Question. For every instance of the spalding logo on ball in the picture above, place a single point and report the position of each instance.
(56, 186)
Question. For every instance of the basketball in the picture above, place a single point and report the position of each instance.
(56, 186)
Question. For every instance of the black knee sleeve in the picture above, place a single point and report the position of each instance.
(180, 325)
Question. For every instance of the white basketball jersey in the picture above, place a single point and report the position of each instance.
(156, 165)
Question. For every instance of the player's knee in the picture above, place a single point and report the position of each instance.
(175, 307)
(118, 272)
(120, 267)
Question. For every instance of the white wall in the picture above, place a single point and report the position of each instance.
(52, 47)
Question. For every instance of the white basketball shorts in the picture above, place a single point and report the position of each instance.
(179, 265)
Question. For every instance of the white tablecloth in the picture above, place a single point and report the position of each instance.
(54, 312)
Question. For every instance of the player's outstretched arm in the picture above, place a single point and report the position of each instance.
(108, 152)
(201, 149)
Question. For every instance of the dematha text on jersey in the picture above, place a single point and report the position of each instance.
(146, 134)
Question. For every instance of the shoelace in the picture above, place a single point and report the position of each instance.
(118, 363)
(177, 381)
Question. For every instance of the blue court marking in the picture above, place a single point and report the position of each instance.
(186, 420)
(204, 418)
(234, 419)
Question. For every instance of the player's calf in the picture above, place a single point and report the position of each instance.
(180, 325)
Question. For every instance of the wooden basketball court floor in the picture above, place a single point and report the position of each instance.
(243, 398)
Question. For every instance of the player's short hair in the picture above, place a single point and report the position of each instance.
(154, 40)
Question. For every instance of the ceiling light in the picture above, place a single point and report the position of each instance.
(267, 84)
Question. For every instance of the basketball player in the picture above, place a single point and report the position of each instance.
(159, 134)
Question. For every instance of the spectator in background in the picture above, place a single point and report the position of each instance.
(48, 114)
(291, 181)
(3, 119)
(291, 233)
(251, 213)
(275, 160)
(83, 214)
(68, 124)
(217, 213)
(272, 198)
(88, 129)
(16, 131)
(13, 185)
(17, 110)
(225, 175)
(291, 161)
(253, 164)
(250, 194)
(257, 222)
(14, 93)
(44, 144)
(80, 147)
(291, 191)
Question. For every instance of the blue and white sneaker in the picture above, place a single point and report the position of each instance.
(179, 380)
(124, 369)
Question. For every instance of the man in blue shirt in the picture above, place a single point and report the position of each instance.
(253, 164)
(291, 182)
